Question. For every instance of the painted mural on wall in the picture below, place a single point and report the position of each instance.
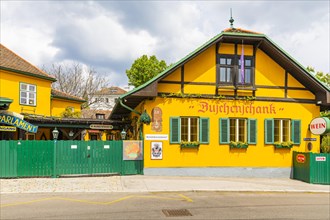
(156, 119)
(240, 109)
(132, 150)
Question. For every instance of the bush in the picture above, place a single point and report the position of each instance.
(325, 144)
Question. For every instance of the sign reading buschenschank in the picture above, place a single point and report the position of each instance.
(17, 122)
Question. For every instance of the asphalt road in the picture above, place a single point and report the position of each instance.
(178, 205)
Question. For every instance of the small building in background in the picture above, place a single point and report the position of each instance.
(105, 99)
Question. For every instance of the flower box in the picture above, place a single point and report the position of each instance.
(238, 145)
(189, 144)
(283, 145)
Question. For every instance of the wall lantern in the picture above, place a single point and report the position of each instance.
(55, 134)
(123, 134)
(71, 133)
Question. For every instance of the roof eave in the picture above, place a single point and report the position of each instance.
(28, 74)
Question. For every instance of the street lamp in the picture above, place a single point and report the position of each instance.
(123, 134)
(55, 136)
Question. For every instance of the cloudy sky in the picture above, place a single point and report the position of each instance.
(110, 35)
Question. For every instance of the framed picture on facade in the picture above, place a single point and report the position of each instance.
(156, 150)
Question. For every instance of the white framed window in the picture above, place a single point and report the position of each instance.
(238, 129)
(28, 94)
(282, 128)
(100, 116)
(189, 129)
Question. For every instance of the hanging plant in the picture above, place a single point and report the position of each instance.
(145, 118)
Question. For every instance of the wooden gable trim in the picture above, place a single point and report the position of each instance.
(148, 91)
(182, 79)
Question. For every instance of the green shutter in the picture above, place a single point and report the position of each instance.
(175, 130)
(295, 131)
(252, 131)
(269, 131)
(224, 130)
(204, 128)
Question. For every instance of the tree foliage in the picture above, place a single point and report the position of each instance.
(323, 77)
(76, 79)
(68, 113)
(143, 69)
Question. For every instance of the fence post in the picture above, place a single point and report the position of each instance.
(54, 158)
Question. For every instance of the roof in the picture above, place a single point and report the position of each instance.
(62, 95)
(47, 121)
(12, 62)
(91, 113)
(230, 35)
(113, 90)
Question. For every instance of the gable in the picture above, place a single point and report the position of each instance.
(277, 76)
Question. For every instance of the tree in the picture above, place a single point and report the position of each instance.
(320, 75)
(143, 69)
(77, 80)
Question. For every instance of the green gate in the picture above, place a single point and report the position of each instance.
(311, 167)
(36, 158)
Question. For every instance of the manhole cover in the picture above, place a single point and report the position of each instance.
(176, 212)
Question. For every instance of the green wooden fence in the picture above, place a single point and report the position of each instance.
(311, 167)
(36, 158)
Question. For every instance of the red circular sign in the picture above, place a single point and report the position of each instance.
(300, 158)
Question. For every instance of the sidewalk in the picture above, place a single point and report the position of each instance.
(140, 183)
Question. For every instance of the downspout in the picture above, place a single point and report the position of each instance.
(127, 107)
(132, 110)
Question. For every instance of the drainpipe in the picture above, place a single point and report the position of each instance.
(132, 110)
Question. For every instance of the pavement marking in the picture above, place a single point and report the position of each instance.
(26, 203)
(181, 198)
(186, 198)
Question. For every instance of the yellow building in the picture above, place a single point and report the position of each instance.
(211, 115)
(31, 109)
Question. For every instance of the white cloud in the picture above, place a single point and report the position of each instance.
(103, 37)
(109, 36)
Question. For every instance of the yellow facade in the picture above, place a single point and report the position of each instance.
(215, 154)
(58, 106)
(272, 82)
(45, 105)
(10, 88)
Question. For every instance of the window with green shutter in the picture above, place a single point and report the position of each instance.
(224, 130)
(237, 130)
(296, 131)
(252, 131)
(175, 130)
(282, 132)
(189, 130)
(204, 127)
(269, 131)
